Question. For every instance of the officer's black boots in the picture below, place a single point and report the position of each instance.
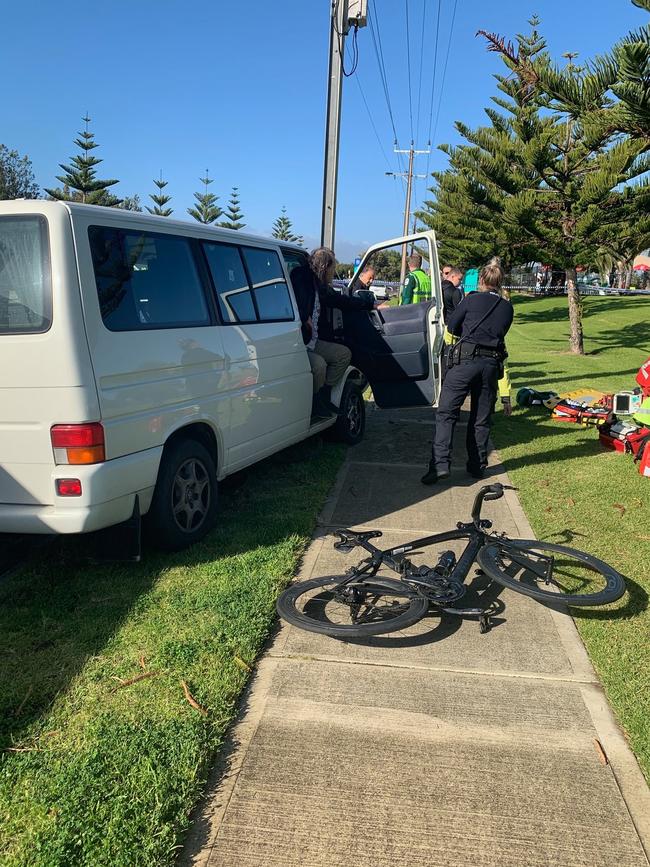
(432, 475)
(475, 470)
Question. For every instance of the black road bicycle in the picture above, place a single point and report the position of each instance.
(362, 603)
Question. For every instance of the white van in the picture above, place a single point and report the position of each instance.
(142, 359)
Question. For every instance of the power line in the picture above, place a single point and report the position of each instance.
(408, 64)
(372, 122)
(435, 64)
(444, 69)
(424, 15)
(433, 89)
(373, 21)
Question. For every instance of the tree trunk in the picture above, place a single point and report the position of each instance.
(628, 277)
(576, 343)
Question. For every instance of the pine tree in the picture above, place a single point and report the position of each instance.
(471, 195)
(207, 210)
(80, 183)
(233, 213)
(131, 203)
(574, 169)
(16, 176)
(551, 169)
(160, 199)
(282, 229)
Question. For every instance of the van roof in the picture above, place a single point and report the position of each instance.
(42, 206)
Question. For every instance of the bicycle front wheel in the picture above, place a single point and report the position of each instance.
(351, 609)
(551, 573)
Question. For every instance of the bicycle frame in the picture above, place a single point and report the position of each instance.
(396, 560)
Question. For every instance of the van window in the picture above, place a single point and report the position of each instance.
(230, 281)
(25, 282)
(146, 280)
(269, 286)
(250, 283)
(294, 258)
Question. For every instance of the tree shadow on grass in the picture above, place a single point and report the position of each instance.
(53, 619)
(545, 380)
(595, 306)
(60, 610)
(633, 335)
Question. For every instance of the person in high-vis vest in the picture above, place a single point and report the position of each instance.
(417, 286)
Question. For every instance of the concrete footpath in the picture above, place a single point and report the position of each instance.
(437, 745)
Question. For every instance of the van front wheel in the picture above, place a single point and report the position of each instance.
(184, 504)
(351, 423)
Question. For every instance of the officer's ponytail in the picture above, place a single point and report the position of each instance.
(492, 274)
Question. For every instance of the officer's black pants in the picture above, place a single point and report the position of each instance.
(477, 377)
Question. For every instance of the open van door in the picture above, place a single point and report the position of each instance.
(399, 348)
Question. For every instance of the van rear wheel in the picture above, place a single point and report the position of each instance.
(184, 505)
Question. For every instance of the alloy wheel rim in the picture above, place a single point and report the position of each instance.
(191, 495)
(354, 414)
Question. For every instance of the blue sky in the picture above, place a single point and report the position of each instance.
(240, 88)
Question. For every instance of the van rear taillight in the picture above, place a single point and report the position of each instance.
(78, 443)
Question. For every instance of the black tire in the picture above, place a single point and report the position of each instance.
(608, 586)
(315, 616)
(351, 422)
(184, 505)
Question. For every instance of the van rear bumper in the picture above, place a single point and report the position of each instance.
(109, 492)
(54, 519)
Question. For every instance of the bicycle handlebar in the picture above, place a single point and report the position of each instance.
(488, 493)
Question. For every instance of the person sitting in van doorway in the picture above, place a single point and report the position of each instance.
(316, 298)
(417, 286)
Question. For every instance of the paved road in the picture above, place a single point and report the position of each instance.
(438, 746)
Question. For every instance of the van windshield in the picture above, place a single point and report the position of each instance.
(25, 284)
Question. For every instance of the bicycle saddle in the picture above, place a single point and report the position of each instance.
(348, 540)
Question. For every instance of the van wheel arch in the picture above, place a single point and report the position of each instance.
(200, 432)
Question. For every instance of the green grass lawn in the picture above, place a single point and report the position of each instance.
(118, 683)
(577, 493)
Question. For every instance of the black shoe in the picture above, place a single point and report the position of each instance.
(320, 408)
(325, 398)
(432, 476)
(476, 470)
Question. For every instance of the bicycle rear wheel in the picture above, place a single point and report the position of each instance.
(351, 609)
(551, 573)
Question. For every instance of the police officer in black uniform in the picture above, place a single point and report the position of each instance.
(481, 321)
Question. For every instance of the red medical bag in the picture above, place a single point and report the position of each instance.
(643, 457)
(623, 436)
(643, 378)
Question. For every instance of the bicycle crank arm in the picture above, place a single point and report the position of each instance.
(464, 612)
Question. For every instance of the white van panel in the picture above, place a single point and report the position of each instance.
(251, 382)
(47, 378)
(270, 383)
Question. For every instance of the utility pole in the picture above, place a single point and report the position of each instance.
(344, 15)
(407, 208)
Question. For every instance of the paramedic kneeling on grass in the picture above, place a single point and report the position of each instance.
(474, 367)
